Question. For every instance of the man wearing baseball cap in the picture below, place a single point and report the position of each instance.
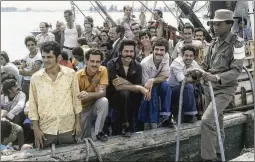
(223, 64)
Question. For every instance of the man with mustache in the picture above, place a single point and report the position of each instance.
(188, 35)
(124, 91)
(200, 35)
(155, 71)
(13, 101)
(223, 65)
(178, 69)
(93, 80)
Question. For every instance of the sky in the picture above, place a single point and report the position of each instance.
(62, 5)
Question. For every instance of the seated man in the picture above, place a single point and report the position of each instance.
(155, 71)
(13, 101)
(125, 79)
(93, 80)
(178, 70)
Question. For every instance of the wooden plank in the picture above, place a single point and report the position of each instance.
(238, 100)
(138, 141)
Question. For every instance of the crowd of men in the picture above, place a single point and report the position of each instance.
(79, 82)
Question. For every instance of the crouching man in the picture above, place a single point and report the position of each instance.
(178, 69)
(54, 108)
(93, 80)
(155, 71)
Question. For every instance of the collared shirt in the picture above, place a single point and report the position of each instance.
(101, 78)
(89, 38)
(180, 44)
(178, 70)
(127, 26)
(224, 59)
(14, 133)
(40, 38)
(150, 71)
(54, 104)
(114, 43)
(15, 106)
(115, 67)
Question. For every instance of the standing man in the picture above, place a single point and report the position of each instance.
(57, 31)
(54, 108)
(31, 63)
(223, 64)
(45, 35)
(116, 34)
(70, 33)
(124, 91)
(93, 80)
(188, 35)
(126, 21)
(155, 71)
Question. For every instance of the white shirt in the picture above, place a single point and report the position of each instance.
(149, 69)
(178, 70)
(114, 43)
(180, 44)
(30, 63)
(71, 37)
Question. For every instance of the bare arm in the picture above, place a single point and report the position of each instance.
(31, 72)
(159, 79)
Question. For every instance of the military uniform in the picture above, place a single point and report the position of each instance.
(223, 59)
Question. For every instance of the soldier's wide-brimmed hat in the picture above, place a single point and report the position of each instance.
(222, 15)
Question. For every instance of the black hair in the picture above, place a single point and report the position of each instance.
(160, 41)
(120, 29)
(5, 56)
(70, 12)
(108, 45)
(8, 84)
(244, 19)
(46, 24)
(94, 52)
(90, 19)
(6, 129)
(124, 8)
(160, 13)
(127, 42)
(151, 27)
(188, 26)
(82, 41)
(200, 30)
(78, 51)
(190, 48)
(30, 38)
(6, 76)
(51, 46)
(64, 55)
(143, 33)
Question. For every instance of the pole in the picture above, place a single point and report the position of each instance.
(97, 10)
(149, 9)
(173, 13)
(78, 8)
(106, 14)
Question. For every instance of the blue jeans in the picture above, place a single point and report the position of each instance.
(160, 96)
(189, 102)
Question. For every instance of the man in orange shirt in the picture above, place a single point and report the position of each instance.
(93, 80)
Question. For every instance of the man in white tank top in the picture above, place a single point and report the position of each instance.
(70, 33)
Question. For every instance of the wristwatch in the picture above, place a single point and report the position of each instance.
(217, 78)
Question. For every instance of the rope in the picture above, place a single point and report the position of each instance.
(87, 141)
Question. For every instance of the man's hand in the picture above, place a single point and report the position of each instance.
(77, 128)
(120, 81)
(149, 86)
(209, 77)
(83, 95)
(143, 90)
(6, 152)
(39, 137)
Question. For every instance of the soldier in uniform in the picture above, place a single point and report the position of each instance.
(223, 64)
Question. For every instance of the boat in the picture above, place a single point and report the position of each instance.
(159, 144)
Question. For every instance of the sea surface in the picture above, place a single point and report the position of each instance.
(15, 26)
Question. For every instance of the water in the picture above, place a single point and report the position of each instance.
(15, 26)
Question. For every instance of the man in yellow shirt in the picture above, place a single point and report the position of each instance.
(54, 108)
(93, 80)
